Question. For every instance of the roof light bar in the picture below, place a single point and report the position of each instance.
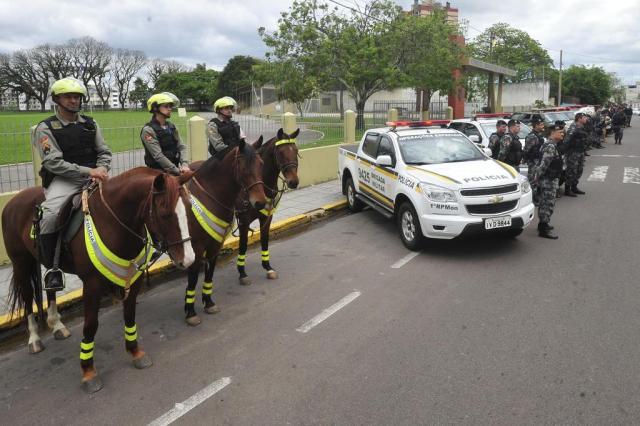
(425, 123)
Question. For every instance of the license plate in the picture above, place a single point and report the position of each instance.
(497, 222)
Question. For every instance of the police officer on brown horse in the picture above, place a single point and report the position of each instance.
(163, 148)
(72, 150)
(223, 132)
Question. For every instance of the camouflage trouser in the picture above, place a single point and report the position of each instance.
(548, 188)
(575, 164)
(530, 175)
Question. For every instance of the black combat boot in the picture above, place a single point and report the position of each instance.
(575, 190)
(568, 192)
(53, 277)
(544, 231)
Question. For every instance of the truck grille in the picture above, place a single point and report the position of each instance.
(493, 208)
(504, 189)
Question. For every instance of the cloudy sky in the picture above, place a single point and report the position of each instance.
(591, 32)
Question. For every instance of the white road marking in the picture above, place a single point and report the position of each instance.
(328, 312)
(631, 175)
(599, 174)
(400, 263)
(189, 404)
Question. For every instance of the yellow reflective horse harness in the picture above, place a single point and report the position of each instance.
(272, 203)
(215, 227)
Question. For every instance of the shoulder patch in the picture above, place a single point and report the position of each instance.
(44, 144)
(148, 137)
(56, 125)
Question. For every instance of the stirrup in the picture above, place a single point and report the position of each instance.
(50, 276)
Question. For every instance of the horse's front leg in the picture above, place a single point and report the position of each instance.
(207, 287)
(190, 295)
(60, 332)
(265, 225)
(140, 358)
(243, 229)
(91, 382)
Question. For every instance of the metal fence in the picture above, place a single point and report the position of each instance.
(407, 110)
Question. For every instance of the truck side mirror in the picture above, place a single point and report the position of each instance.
(384, 160)
(487, 152)
(474, 138)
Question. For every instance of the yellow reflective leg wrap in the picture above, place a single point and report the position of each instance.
(207, 288)
(131, 333)
(86, 351)
(241, 259)
(265, 255)
(191, 296)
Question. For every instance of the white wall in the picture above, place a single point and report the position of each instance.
(524, 94)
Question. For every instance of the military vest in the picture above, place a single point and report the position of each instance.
(77, 141)
(555, 168)
(229, 131)
(168, 140)
(534, 151)
(514, 156)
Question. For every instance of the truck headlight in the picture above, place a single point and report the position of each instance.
(525, 186)
(437, 194)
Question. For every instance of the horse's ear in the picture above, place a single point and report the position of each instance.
(241, 145)
(280, 133)
(257, 144)
(185, 176)
(294, 134)
(159, 183)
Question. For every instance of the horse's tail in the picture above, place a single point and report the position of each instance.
(20, 290)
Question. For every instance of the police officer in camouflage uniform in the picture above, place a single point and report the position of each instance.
(546, 177)
(72, 150)
(575, 145)
(510, 145)
(494, 139)
(163, 148)
(223, 132)
(532, 144)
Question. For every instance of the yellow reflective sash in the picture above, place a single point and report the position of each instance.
(217, 228)
(269, 208)
(119, 271)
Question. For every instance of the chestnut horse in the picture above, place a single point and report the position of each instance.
(213, 193)
(120, 216)
(280, 155)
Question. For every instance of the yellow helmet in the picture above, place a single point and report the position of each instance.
(68, 85)
(162, 98)
(223, 102)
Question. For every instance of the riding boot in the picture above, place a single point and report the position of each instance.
(568, 192)
(575, 190)
(49, 252)
(544, 231)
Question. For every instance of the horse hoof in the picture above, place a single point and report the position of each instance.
(61, 334)
(245, 281)
(36, 347)
(143, 362)
(213, 309)
(194, 320)
(272, 275)
(92, 385)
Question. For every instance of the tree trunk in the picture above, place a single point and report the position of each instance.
(341, 104)
(360, 104)
(299, 107)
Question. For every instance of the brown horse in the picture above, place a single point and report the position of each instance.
(120, 213)
(214, 187)
(280, 155)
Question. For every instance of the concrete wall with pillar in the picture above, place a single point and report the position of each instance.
(350, 126)
(289, 124)
(392, 114)
(197, 143)
(457, 96)
(499, 99)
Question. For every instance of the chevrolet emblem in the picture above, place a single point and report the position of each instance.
(496, 199)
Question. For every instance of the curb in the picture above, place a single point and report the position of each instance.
(230, 245)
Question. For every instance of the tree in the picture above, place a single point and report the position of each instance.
(55, 59)
(89, 58)
(350, 46)
(158, 66)
(507, 46)
(236, 75)
(429, 53)
(24, 73)
(140, 93)
(198, 86)
(592, 85)
(291, 81)
(126, 64)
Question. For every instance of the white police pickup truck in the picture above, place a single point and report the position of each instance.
(435, 182)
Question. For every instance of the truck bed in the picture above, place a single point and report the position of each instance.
(353, 148)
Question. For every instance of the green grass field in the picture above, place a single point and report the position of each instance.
(121, 130)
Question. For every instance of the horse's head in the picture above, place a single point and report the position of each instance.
(168, 217)
(247, 169)
(285, 153)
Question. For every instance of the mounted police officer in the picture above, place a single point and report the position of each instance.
(163, 148)
(72, 150)
(223, 132)
(531, 151)
(494, 139)
(510, 145)
(575, 145)
(546, 175)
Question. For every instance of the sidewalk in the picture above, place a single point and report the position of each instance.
(293, 204)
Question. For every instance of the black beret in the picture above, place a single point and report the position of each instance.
(501, 123)
(536, 120)
(558, 125)
(580, 115)
(513, 122)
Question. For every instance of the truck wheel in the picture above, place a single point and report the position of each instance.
(409, 227)
(355, 205)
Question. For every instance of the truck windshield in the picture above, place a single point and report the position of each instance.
(436, 149)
